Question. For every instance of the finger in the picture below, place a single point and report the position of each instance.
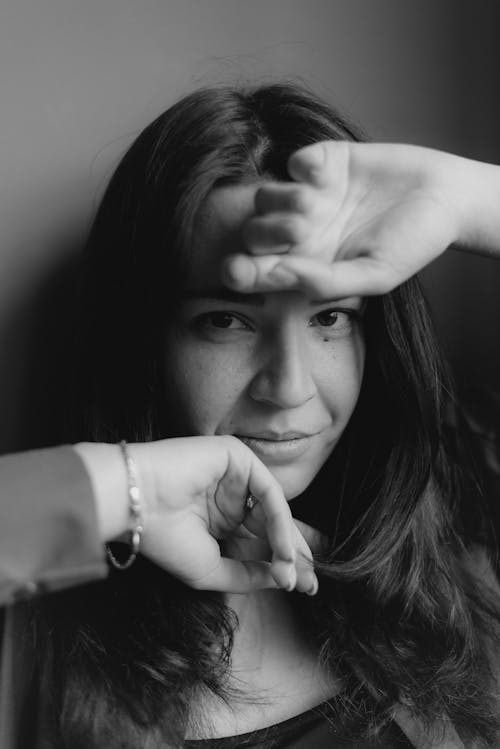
(275, 232)
(361, 276)
(284, 571)
(307, 582)
(304, 578)
(234, 576)
(255, 522)
(285, 197)
(323, 164)
(247, 274)
(280, 529)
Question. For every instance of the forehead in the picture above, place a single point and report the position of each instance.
(218, 231)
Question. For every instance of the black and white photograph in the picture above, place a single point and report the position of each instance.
(249, 374)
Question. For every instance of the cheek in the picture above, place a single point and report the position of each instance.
(339, 375)
(202, 387)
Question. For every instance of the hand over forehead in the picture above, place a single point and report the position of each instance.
(357, 219)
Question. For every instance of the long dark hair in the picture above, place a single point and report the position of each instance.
(400, 616)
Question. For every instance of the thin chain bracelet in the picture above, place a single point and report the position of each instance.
(135, 511)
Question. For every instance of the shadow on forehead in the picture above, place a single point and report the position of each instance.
(221, 293)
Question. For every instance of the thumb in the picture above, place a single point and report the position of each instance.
(321, 164)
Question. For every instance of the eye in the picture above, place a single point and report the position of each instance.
(328, 317)
(222, 321)
(220, 326)
(336, 321)
(332, 317)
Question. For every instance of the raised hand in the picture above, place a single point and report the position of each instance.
(360, 218)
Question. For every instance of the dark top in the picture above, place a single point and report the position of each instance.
(309, 730)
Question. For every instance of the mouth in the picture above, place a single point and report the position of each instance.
(278, 447)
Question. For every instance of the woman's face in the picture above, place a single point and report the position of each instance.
(278, 370)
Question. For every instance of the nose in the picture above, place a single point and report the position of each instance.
(284, 378)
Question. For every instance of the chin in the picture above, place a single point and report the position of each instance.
(292, 480)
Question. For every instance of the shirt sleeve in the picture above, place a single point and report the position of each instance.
(48, 524)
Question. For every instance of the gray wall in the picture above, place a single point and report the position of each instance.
(79, 78)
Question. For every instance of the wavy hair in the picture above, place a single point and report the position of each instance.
(401, 617)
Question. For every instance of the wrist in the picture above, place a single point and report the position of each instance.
(475, 187)
(141, 453)
(105, 466)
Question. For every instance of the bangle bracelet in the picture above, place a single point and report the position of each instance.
(134, 510)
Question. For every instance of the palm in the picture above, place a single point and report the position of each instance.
(396, 235)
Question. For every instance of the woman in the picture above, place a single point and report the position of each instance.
(342, 397)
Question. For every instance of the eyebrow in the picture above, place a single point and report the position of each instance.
(221, 293)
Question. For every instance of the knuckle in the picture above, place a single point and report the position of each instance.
(293, 229)
(263, 268)
(301, 200)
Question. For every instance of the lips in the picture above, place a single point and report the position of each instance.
(278, 447)
(273, 436)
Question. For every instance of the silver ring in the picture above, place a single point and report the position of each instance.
(250, 503)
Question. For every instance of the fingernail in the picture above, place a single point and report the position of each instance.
(292, 580)
(314, 588)
(237, 271)
(281, 275)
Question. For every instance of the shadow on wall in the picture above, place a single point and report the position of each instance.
(36, 336)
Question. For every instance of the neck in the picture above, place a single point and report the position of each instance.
(266, 627)
(275, 672)
(271, 657)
